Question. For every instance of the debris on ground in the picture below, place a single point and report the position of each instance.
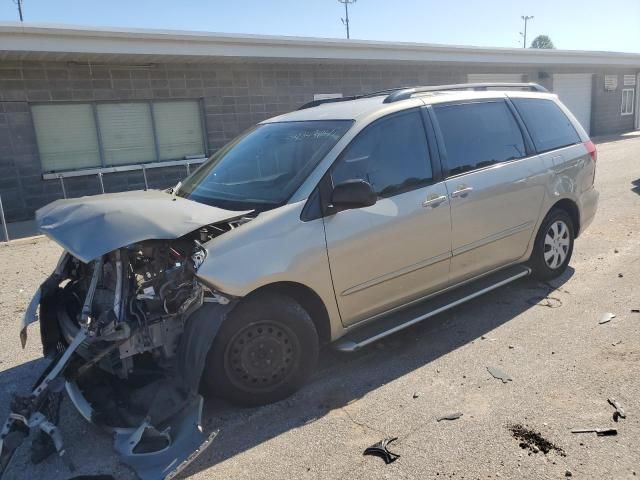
(380, 449)
(568, 473)
(551, 302)
(617, 343)
(533, 441)
(620, 275)
(619, 413)
(416, 394)
(607, 317)
(499, 374)
(635, 310)
(450, 416)
(601, 432)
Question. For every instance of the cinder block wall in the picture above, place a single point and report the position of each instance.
(235, 95)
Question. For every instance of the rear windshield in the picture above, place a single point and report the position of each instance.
(263, 167)
(549, 127)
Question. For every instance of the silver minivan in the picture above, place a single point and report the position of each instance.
(342, 222)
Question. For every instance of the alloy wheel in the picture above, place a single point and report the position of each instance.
(556, 244)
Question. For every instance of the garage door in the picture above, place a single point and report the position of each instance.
(494, 77)
(575, 92)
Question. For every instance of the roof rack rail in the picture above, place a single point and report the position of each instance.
(403, 93)
(315, 103)
(406, 93)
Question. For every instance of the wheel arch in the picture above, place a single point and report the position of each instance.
(572, 210)
(308, 299)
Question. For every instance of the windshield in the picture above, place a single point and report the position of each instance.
(263, 167)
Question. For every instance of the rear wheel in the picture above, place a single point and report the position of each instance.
(263, 353)
(553, 245)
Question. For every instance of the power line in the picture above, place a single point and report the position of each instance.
(345, 20)
(524, 35)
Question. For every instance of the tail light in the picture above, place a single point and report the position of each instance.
(593, 153)
(591, 150)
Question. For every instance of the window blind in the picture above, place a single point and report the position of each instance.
(66, 136)
(126, 133)
(179, 129)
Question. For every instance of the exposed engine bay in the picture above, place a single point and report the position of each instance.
(128, 335)
(137, 297)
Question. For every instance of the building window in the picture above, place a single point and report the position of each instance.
(627, 101)
(74, 136)
(67, 137)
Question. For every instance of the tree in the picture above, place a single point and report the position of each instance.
(542, 41)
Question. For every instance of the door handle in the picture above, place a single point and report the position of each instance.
(461, 191)
(434, 200)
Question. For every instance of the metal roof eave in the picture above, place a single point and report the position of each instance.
(51, 41)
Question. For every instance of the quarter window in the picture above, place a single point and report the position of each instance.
(477, 135)
(627, 101)
(391, 155)
(88, 135)
(549, 127)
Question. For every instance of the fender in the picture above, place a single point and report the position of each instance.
(274, 247)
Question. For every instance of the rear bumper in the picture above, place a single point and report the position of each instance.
(588, 208)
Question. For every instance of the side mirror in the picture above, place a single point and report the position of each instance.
(353, 194)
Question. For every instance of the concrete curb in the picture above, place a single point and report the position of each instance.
(20, 241)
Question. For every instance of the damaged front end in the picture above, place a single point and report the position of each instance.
(128, 335)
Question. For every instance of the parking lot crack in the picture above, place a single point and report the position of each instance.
(362, 425)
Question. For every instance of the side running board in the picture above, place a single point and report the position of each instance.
(415, 313)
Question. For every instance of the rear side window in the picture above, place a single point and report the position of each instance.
(391, 155)
(477, 135)
(549, 127)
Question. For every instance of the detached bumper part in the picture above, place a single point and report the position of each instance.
(184, 440)
(29, 415)
(154, 454)
(30, 316)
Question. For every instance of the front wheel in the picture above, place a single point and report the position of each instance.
(263, 353)
(553, 246)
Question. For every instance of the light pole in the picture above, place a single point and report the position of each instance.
(526, 19)
(19, 3)
(345, 20)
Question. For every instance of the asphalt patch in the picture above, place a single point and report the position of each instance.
(533, 441)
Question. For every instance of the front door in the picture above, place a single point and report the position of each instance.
(495, 187)
(398, 249)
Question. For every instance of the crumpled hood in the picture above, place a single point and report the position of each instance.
(89, 227)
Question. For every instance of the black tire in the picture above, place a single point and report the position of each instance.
(551, 256)
(263, 352)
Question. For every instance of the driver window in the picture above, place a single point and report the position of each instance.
(391, 155)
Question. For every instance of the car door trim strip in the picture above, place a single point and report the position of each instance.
(493, 238)
(398, 273)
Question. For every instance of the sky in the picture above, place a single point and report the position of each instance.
(612, 25)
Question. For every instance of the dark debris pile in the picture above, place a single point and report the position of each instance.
(533, 441)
